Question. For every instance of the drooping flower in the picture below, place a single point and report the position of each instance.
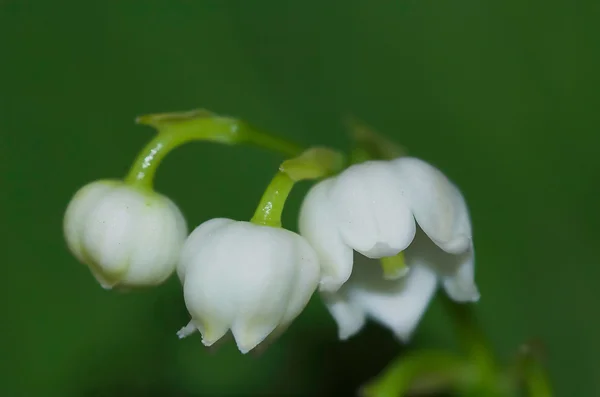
(127, 236)
(377, 208)
(251, 279)
(396, 304)
(361, 209)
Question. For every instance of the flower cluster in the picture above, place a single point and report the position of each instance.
(376, 238)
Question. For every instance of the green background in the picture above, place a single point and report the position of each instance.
(501, 95)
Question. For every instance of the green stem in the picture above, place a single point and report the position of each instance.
(472, 339)
(176, 129)
(423, 371)
(370, 144)
(271, 142)
(536, 380)
(313, 163)
(273, 200)
(530, 370)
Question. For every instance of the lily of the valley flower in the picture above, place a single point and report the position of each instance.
(362, 209)
(396, 304)
(129, 237)
(247, 278)
(376, 208)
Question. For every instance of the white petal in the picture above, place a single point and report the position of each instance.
(212, 331)
(320, 229)
(206, 296)
(372, 213)
(399, 304)
(195, 239)
(110, 231)
(460, 285)
(457, 271)
(249, 335)
(307, 274)
(280, 291)
(148, 247)
(160, 233)
(84, 201)
(307, 278)
(438, 205)
(188, 330)
(212, 321)
(350, 318)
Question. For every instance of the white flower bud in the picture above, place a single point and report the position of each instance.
(129, 237)
(253, 280)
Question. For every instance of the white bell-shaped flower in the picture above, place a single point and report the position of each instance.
(396, 304)
(372, 207)
(127, 236)
(247, 278)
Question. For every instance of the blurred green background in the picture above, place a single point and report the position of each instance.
(501, 95)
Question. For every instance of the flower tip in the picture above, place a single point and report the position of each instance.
(344, 334)
(381, 250)
(208, 342)
(107, 287)
(463, 292)
(330, 284)
(245, 345)
(475, 296)
(248, 339)
(189, 329)
(244, 349)
(403, 336)
(104, 283)
(349, 321)
(456, 246)
(209, 338)
(472, 295)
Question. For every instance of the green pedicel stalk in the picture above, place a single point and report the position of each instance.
(423, 371)
(314, 163)
(178, 128)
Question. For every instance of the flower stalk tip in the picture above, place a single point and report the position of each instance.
(313, 163)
